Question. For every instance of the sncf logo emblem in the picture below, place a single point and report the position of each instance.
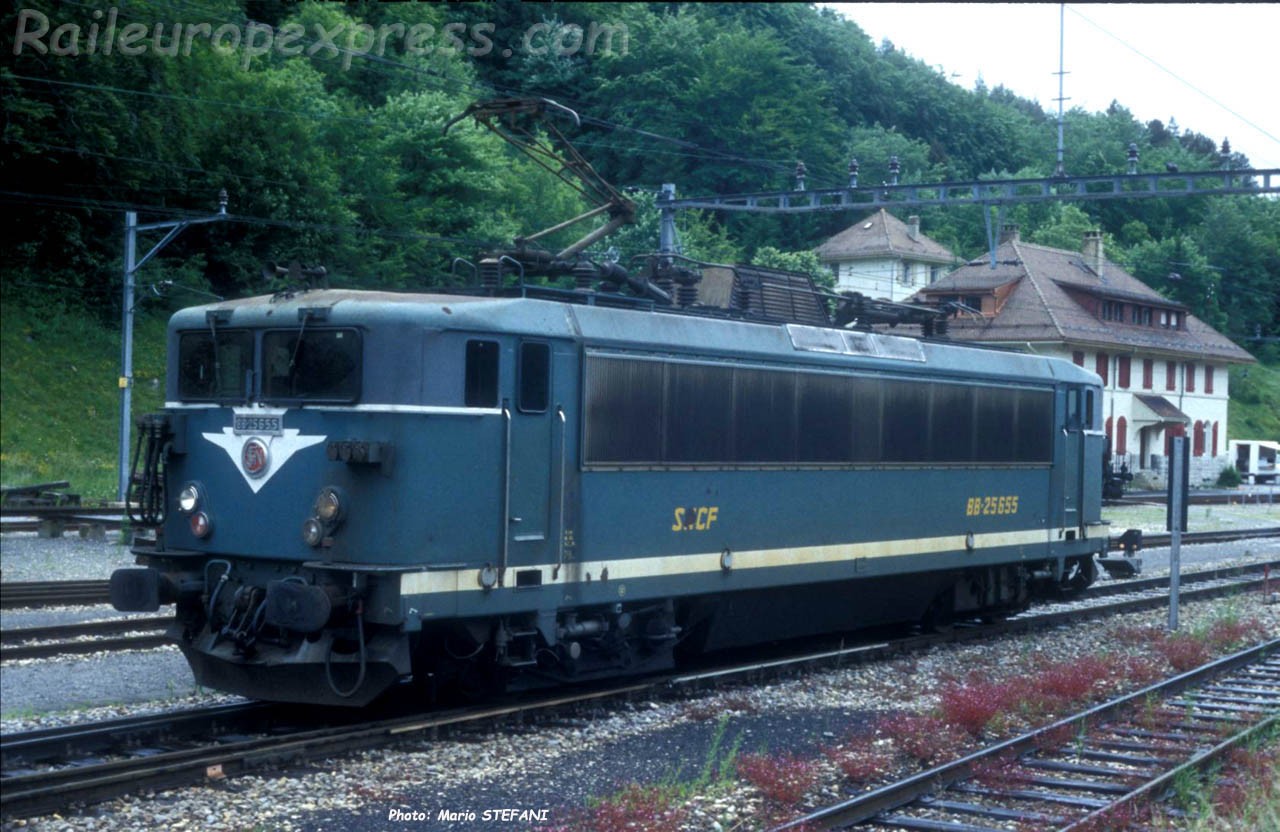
(258, 457)
(254, 457)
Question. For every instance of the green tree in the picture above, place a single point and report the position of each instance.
(806, 262)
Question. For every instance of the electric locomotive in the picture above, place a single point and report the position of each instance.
(355, 490)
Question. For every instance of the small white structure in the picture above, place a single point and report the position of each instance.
(884, 258)
(1255, 459)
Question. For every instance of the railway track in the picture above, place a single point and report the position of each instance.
(94, 636)
(1157, 541)
(52, 769)
(83, 637)
(52, 521)
(70, 593)
(1212, 498)
(1080, 771)
(85, 526)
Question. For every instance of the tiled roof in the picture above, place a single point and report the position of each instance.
(1040, 308)
(882, 235)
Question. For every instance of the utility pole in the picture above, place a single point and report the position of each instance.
(1061, 169)
(1179, 483)
(131, 266)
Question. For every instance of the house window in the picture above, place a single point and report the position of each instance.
(1100, 366)
(1147, 367)
(1146, 316)
(1190, 384)
(1164, 318)
(1123, 373)
(906, 274)
(1208, 381)
(1170, 375)
(1197, 441)
(1078, 358)
(1122, 445)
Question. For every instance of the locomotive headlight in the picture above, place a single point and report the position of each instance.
(330, 505)
(312, 531)
(188, 498)
(201, 525)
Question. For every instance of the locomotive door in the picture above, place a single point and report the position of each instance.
(1079, 421)
(536, 449)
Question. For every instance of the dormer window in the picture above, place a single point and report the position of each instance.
(1113, 310)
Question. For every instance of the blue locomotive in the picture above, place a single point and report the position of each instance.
(354, 489)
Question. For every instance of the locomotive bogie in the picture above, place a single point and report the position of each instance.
(369, 488)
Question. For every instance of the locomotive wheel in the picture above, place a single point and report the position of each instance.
(1078, 577)
(940, 616)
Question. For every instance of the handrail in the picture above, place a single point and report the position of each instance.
(555, 573)
(506, 491)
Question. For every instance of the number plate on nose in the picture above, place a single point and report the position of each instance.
(260, 425)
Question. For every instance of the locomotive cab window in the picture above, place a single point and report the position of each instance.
(1074, 422)
(311, 364)
(482, 374)
(213, 364)
(535, 376)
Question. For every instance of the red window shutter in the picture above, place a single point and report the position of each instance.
(1148, 366)
(1100, 367)
(1124, 372)
(1215, 438)
(1170, 375)
(1197, 440)
(1122, 445)
(1191, 377)
(1078, 358)
(1108, 430)
(1208, 381)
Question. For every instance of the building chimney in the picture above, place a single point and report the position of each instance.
(913, 227)
(1092, 251)
(1009, 234)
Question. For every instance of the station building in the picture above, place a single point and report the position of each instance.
(1164, 371)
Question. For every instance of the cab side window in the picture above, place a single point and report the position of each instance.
(1073, 409)
(482, 374)
(535, 376)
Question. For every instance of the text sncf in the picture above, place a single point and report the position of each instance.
(694, 518)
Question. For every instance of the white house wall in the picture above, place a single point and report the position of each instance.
(1208, 409)
(884, 278)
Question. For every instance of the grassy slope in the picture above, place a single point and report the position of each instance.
(60, 406)
(59, 399)
(1255, 402)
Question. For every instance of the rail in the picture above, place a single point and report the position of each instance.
(903, 803)
(30, 792)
